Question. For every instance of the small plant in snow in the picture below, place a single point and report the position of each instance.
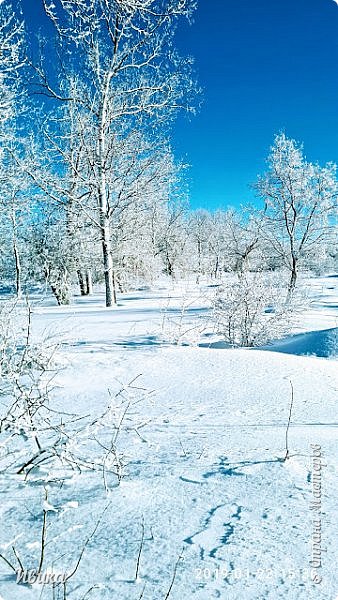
(252, 311)
(26, 371)
(287, 449)
(182, 324)
(112, 430)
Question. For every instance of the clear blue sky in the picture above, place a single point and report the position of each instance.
(265, 66)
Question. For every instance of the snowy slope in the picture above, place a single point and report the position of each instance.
(206, 477)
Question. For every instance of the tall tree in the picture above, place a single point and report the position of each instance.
(299, 197)
(13, 200)
(123, 52)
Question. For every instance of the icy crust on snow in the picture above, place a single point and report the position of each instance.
(206, 478)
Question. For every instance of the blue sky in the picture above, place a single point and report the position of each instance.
(264, 66)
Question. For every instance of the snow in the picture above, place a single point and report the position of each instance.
(206, 476)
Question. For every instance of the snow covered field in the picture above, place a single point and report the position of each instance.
(221, 515)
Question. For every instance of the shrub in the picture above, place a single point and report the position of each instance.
(252, 311)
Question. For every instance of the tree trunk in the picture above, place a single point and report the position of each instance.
(216, 268)
(107, 266)
(16, 258)
(293, 279)
(80, 277)
(114, 288)
(170, 267)
(60, 292)
(199, 251)
(89, 283)
(17, 269)
(103, 207)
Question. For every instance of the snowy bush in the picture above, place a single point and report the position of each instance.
(252, 311)
(25, 370)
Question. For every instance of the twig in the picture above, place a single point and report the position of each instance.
(70, 575)
(287, 452)
(139, 553)
(94, 587)
(8, 563)
(174, 576)
(43, 535)
(184, 452)
(17, 558)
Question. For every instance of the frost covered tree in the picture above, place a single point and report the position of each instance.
(13, 187)
(218, 244)
(142, 172)
(11, 59)
(173, 239)
(299, 197)
(123, 52)
(51, 256)
(14, 216)
(242, 237)
(143, 179)
(225, 241)
(57, 165)
(200, 233)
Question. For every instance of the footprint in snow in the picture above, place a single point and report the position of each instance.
(216, 530)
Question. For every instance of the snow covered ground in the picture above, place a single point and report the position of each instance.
(221, 514)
